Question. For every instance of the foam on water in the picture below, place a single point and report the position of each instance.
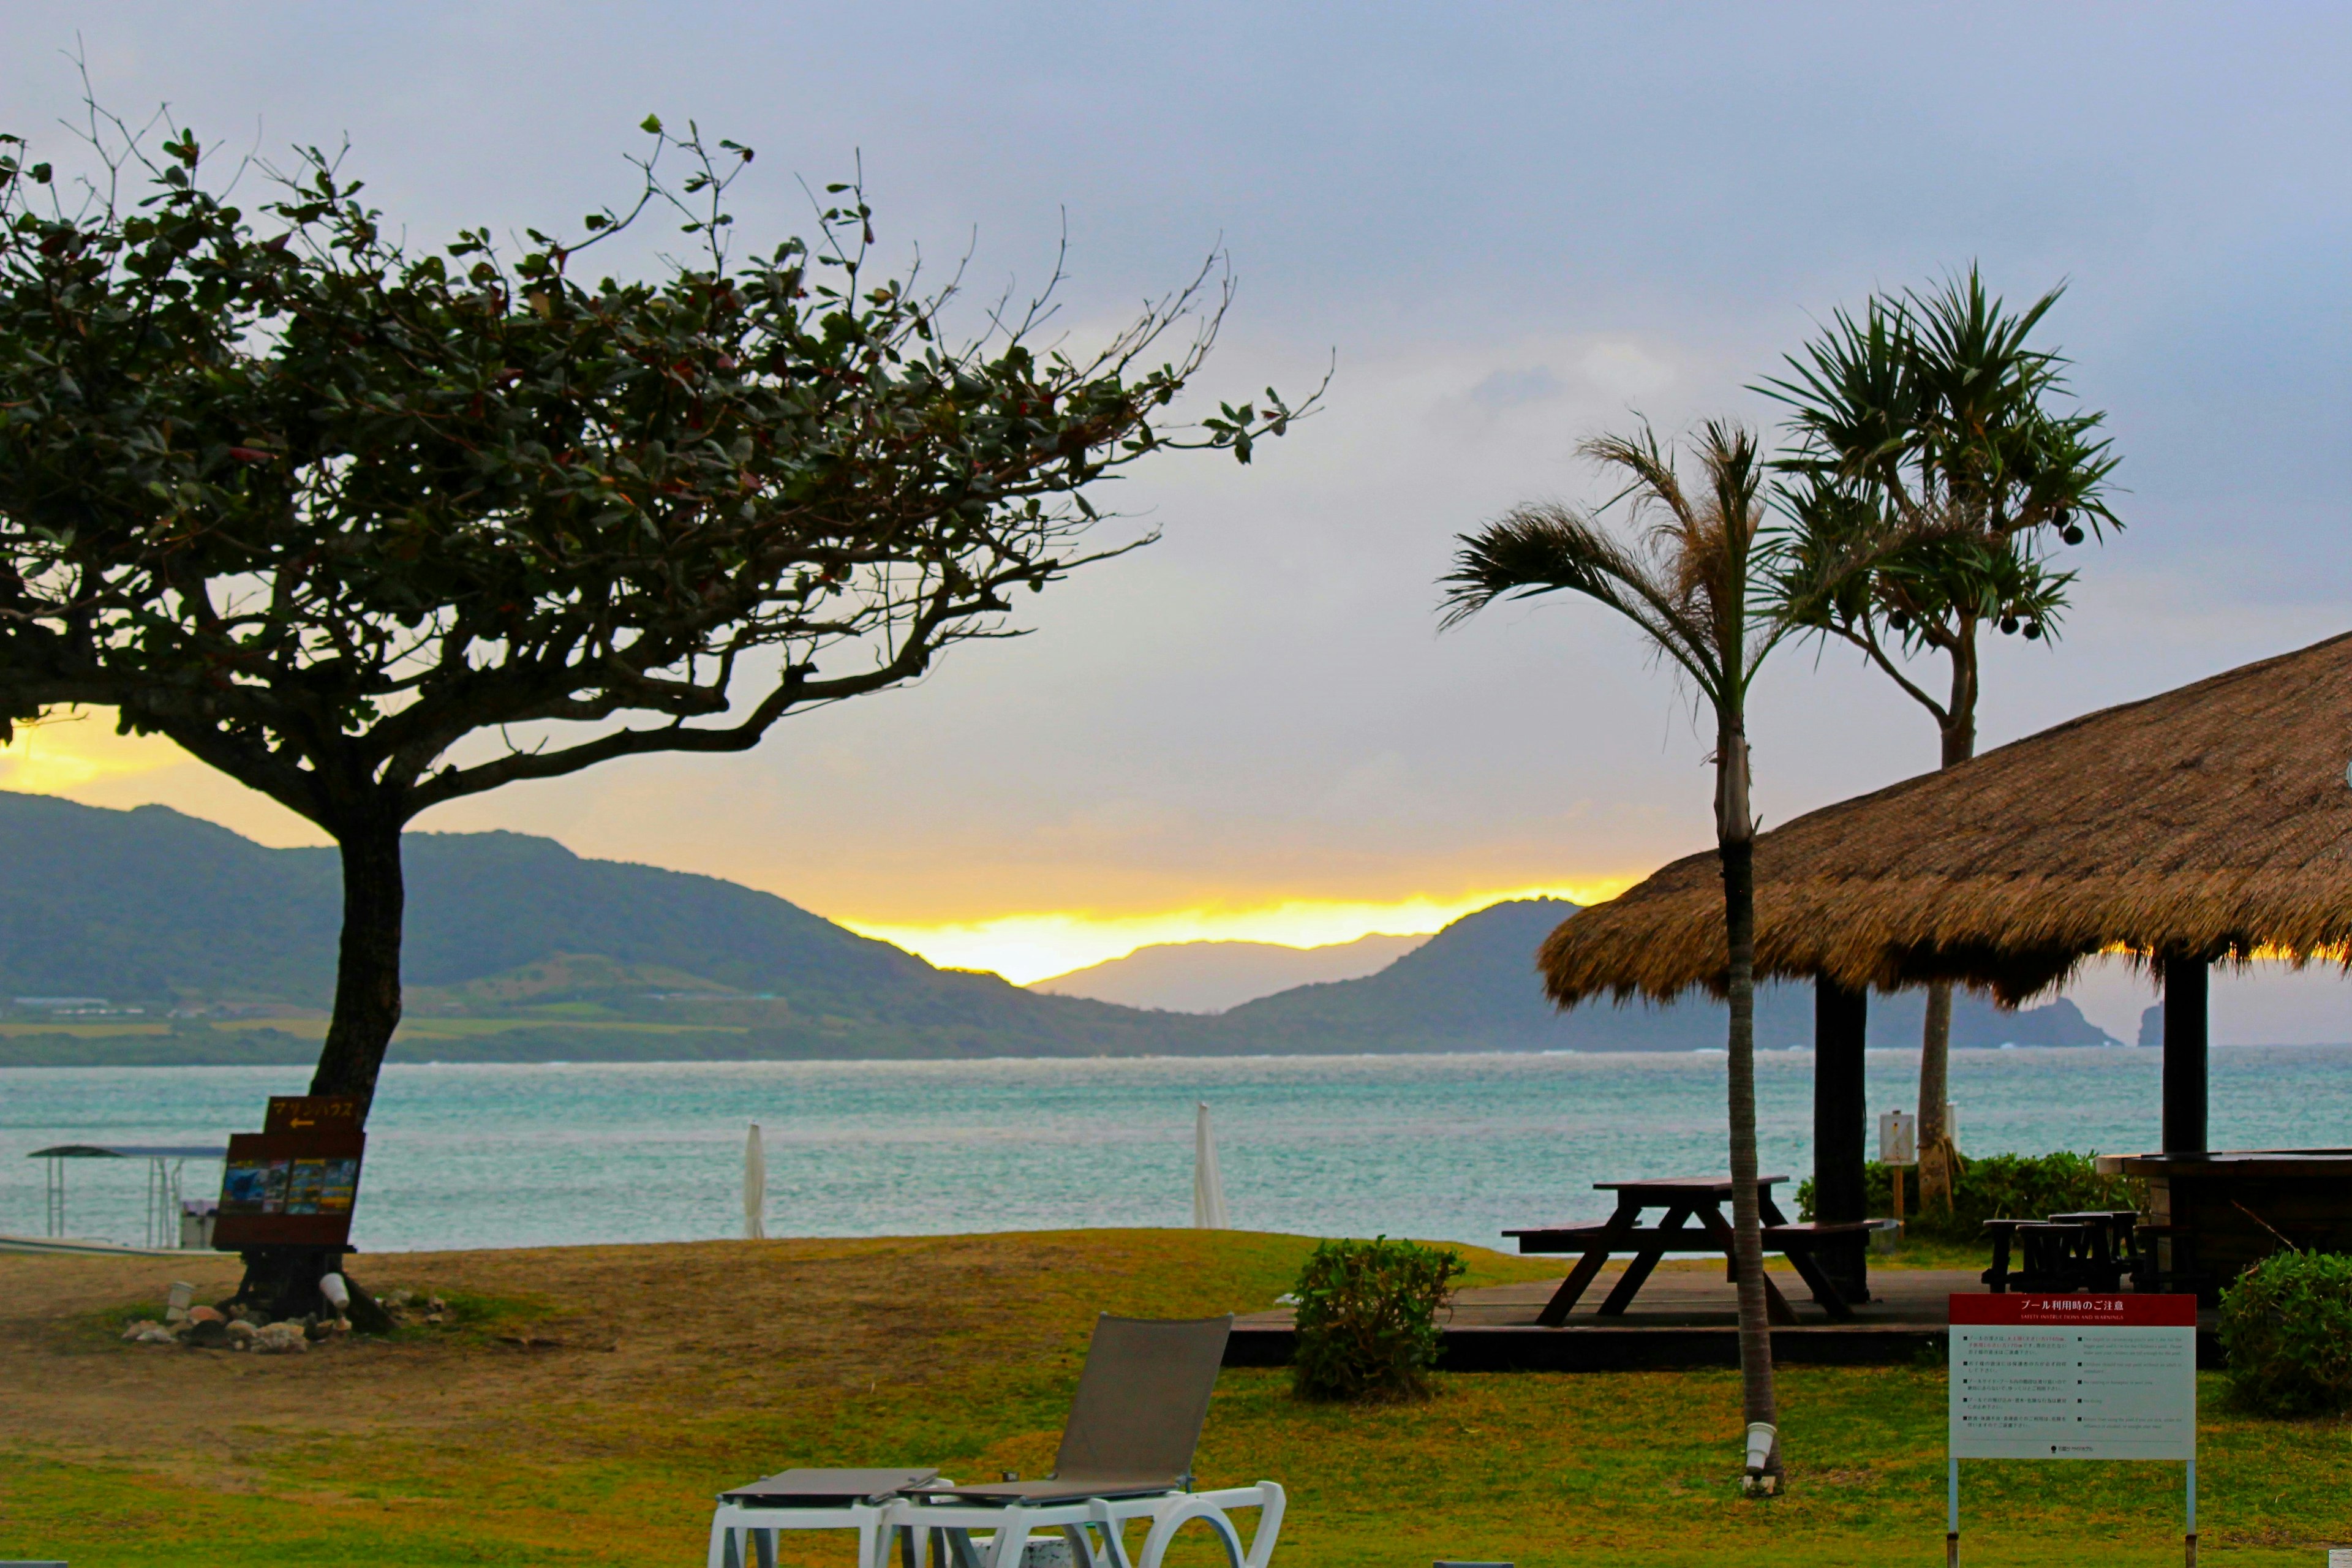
(1439, 1146)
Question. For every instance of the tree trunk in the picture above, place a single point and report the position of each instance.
(367, 971)
(1959, 743)
(1737, 845)
(1935, 1089)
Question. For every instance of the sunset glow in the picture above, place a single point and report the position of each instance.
(68, 750)
(1028, 947)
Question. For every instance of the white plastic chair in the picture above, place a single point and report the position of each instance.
(743, 1527)
(1083, 1520)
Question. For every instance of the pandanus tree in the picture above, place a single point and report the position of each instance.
(371, 529)
(1689, 579)
(1931, 480)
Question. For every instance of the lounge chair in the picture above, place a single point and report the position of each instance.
(742, 1530)
(1125, 1455)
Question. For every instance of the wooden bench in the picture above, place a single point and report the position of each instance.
(1685, 1203)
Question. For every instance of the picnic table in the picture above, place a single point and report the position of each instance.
(1696, 1219)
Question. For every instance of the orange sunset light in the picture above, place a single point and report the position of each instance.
(1035, 946)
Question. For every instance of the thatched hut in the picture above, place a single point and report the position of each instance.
(2211, 823)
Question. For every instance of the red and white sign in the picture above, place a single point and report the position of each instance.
(2109, 1311)
(2073, 1377)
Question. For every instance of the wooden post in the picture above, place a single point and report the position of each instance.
(2185, 1038)
(1840, 1117)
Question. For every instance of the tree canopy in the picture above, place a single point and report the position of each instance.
(322, 506)
(1933, 471)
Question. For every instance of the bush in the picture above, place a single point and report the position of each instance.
(1996, 1186)
(1367, 1318)
(2286, 1324)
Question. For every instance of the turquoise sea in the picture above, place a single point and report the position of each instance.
(1439, 1146)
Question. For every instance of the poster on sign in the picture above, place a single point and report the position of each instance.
(293, 1183)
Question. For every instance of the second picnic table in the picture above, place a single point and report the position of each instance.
(1686, 1200)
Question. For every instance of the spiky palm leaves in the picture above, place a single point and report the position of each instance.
(1931, 475)
(1685, 579)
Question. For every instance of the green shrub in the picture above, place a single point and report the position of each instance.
(2286, 1324)
(1995, 1186)
(1367, 1318)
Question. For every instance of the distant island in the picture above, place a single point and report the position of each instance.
(1211, 976)
(147, 937)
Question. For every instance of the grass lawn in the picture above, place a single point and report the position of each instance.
(589, 1400)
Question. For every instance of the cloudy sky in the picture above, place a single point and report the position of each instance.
(1511, 227)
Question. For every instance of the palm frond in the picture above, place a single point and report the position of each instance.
(1684, 578)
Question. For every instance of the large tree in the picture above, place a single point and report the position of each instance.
(1688, 583)
(1935, 473)
(372, 528)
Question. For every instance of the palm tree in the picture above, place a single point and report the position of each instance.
(1685, 582)
(1932, 477)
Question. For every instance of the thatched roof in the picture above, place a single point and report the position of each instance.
(2215, 819)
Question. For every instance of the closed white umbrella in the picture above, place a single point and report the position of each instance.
(1208, 1182)
(755, 1186)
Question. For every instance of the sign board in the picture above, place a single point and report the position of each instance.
(2073, 1377)
(293, 1184)
(1899, 1137)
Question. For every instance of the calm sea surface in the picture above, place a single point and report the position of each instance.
(1456, 1147)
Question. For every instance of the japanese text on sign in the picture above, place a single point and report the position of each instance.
(2073, 1377)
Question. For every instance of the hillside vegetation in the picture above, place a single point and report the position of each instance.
(519, 949)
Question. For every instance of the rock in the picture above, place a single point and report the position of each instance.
(280, 1338)
(206, 1334)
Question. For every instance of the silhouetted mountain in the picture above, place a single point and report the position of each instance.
(153, 904)
(602, 960)
(1474, 987)
(1211, 976)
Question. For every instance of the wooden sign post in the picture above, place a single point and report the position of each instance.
(286, 1194)
(2072, 1377)
(1899, 1145)
(292, 1184)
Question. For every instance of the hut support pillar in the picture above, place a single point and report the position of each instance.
(2184, 1037)
(1840, 1109)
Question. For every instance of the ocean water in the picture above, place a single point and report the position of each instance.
(1456, 1147)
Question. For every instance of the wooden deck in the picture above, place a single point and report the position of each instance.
(1686, 1316)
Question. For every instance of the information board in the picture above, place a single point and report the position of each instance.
(294, 1182)
(2073, 1377)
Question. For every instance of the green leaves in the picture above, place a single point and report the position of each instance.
(2286, 1325)
(1933, 471)
(320, 506)
(1367, 1318)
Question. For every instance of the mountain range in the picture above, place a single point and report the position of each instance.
(1211, 976)
(519, 949)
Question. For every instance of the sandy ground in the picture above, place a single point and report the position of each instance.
(642, 1326)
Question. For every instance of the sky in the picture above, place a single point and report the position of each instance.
(1503, 229)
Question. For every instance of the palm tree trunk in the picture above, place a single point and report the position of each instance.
(1959, 743)
(1737, 844)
